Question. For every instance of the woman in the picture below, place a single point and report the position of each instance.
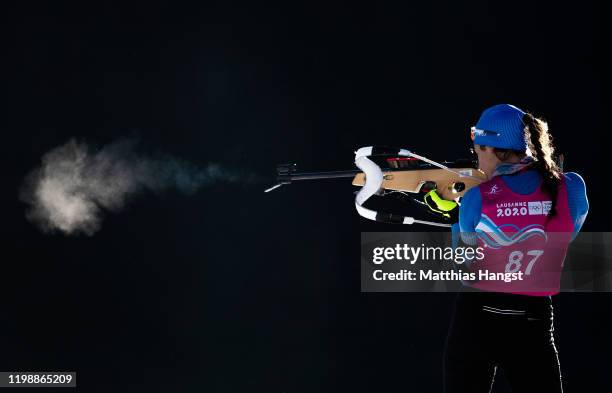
(510, 325)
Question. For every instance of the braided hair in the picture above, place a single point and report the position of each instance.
(539, 142)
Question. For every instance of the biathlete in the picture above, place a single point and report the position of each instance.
(524, 216)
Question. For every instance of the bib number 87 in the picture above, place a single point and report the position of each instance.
(515, 260)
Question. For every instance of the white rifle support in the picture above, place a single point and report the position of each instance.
(374, 179)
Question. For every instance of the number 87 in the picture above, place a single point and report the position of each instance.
(515, 258)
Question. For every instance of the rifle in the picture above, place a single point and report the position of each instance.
(404, 172)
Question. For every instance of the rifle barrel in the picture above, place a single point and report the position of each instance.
(286, 173)
(319, 175)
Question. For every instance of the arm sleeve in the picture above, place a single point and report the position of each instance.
(577, 200)
(469, 215)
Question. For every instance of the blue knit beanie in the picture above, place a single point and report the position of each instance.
(501, 126)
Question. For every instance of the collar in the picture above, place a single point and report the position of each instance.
(509, 169)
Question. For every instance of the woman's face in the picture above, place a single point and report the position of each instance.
(487, 160)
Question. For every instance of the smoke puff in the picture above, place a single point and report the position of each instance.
(75, 185)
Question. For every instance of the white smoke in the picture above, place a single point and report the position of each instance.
(76, 185)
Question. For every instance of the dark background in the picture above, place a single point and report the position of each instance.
(234, 290)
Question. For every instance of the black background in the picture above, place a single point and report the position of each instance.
(234, 290)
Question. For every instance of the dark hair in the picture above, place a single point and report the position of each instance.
(541, 147)
(504, 154)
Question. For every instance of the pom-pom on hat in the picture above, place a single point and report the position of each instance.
(501, 126)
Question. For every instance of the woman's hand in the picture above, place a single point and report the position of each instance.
(445, 208)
